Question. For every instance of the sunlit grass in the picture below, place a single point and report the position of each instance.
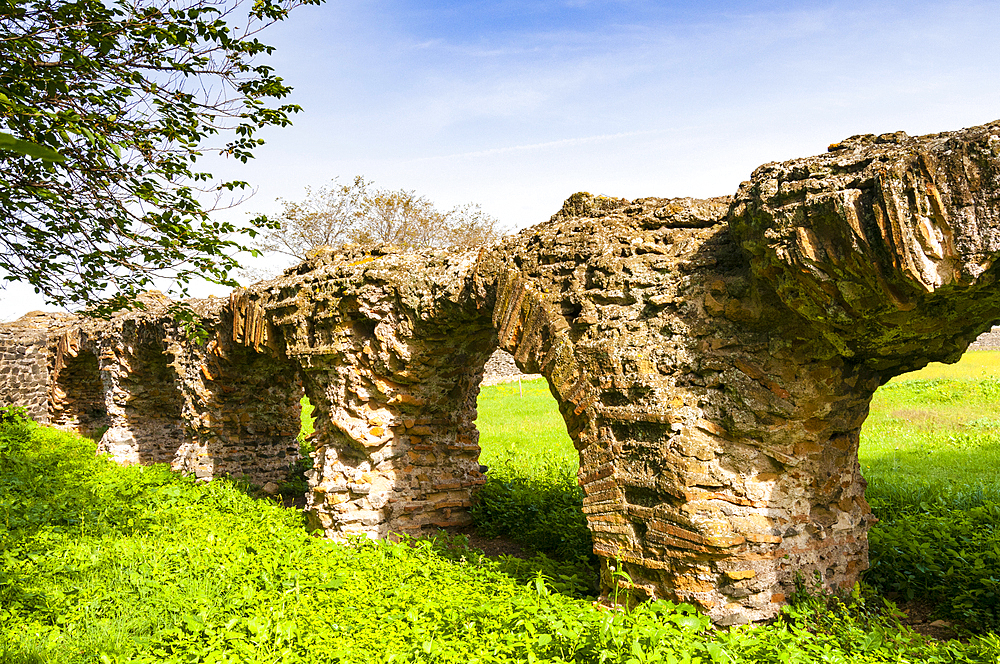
(306, 416)
(100, 563)
(939, 425)
(974, 365)
(523, 424)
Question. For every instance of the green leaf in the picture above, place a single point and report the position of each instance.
(29, 149)
(688, 622)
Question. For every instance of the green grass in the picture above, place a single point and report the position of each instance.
(307, 419)
(930, 451)
(934, 430)
(937, 427)
(531, 493)
(107, 564)
(522, 425)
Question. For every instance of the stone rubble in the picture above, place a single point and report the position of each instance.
(713, 359)
(502, 368)
(989, 340)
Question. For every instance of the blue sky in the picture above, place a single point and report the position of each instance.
(516, 105)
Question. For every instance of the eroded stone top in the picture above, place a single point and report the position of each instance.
(879, 231)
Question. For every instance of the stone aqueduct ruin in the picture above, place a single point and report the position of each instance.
(713, 360)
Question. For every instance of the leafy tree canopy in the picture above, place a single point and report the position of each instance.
(363, 214)
(105, 106)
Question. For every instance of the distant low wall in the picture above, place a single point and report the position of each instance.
(502, 368)
(987, 340)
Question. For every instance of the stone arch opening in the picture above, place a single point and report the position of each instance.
(76, 399)
(512, 406)
(395, 381)
(916, 419)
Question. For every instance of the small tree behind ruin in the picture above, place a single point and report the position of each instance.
(363, 214)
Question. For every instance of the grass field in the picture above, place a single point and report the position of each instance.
(522, 424)
(105, 564)
(939, 425)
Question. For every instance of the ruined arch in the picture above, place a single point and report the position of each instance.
(241, 399)
(391, 347)
(713, 359)
(391, 350)
(223, 405)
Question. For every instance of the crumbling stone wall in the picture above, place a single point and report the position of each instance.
(713, 361)
(143, 397)
(153, 394)
(501, 368)
(24, 373)
(718, 436)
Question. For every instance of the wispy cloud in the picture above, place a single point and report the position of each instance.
(562, 143)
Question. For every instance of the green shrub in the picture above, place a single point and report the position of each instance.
(541, 508)
(297, 483)
(939, 543)
(948, 556)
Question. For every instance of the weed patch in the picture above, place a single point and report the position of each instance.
(541, 509)
(103, 563)
(947, 554)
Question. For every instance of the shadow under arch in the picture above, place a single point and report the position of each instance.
(142, 395)
(223, 405)
(76, 391)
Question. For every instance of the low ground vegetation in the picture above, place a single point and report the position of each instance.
(100, 563)
(931, 454)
